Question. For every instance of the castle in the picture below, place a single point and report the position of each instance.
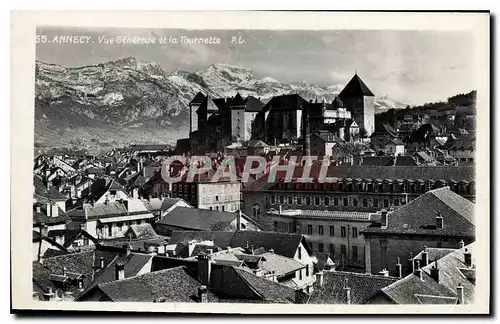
(218, 122)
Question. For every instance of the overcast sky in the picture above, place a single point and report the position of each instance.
(410, 66)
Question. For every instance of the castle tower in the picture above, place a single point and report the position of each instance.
(193, 116)
(360, 100)
(238, 131)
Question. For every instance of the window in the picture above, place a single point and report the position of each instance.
(342, 231)
(316, 201)
(276, 226)
(320, 229)
(300, 274)
(110, 230)
(332, 230)
(331, 249)
(217, 208)
(327, 201)
(307, 270)
(346, 202)
(300, 253)
(273, 200)
(223, 207)
(308, 201)
(386, 203)
(309, 229)
(396, 202)
(365, 202)
(120, 226)
(112, 192)
(343, 249)
(335, 201)
(320, 247)
(216, 198)
(375, 202)
(299, 200)
(282, 200)
(471, 159)
(354, 252)
(354, 202)
(354, 232)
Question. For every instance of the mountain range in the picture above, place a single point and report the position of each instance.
(130, 101)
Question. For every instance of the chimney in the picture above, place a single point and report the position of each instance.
(65, 270)
(319, 279)
(49, 209)
(347, 292)
(384, 272)
(203, 294)
(462, 244)
(44, 230)
(55, 210)
(399, 268)
(127, 248)
(435, 271)
(49, 295)
(101, 262)
(280, 209)
(460, 294)
(119, 271)
(385, 218)
(439, 221)
(467, 258)
(204, 269)
(307, 132)
(425, 257)
(418, 271)
(38, 209)
(238, 221)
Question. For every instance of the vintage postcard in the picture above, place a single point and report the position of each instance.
(251, 162)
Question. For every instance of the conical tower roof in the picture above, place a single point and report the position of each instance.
(238, 101)
(198, 99)
(355, 88)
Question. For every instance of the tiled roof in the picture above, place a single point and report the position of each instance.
(143, 231)
(280, 264)
(355, 88)
(413, 290)
(363, 287)
(462, 143)
(253, 104)
(419, 216)
(285, 102)
(325, 214)
(40, 215)
(85, 263)
(267, 289)
(169, 285)
(285, 244)
(133, 263)
(200, 219)
(43, 194)
(344, 171)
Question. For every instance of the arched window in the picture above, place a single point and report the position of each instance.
(256, 210)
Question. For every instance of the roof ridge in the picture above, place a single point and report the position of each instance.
(141, 275)
(357, 274)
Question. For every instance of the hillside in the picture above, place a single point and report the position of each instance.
(130, 101)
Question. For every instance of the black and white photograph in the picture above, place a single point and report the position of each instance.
(230, 169)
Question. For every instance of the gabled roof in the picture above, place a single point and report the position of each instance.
(43, 194)
(169, 285)
(253, 104)
(142, 231)
(452, 272)
(284, 244)
(40, 215)
(199, 219)
(363, 287)
(419, 216)
(257, 143)
(265, 288)
(355, 88)
(209, 105)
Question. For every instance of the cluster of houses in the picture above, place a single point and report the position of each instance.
(388, 227)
